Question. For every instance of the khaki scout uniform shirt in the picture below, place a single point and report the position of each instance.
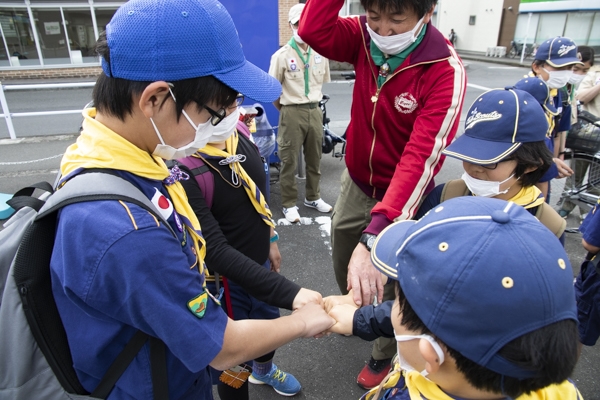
(591, 79)
(288, 69)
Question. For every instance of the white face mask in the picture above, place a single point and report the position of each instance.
(297, 37)
(225, 128)
(394, 44)
(484, 188)
(557, 79)
(203, 133)
(576, 79)
(402, 361)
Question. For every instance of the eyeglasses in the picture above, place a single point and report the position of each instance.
(495, 165)
(221, 113)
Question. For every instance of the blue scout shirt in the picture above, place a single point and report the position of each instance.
(114, 270)
(590, 227)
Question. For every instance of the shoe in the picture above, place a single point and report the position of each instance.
(319, 204)
(373, 373)
(283, 383)
(291, 214)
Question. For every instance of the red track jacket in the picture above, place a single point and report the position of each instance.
(396, 133)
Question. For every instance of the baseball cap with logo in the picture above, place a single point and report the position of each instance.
(171, 40)
(498, 122)
(558, 52)
(295, 13)
(479, 273)
(537, 88)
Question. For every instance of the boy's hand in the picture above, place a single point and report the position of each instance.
(275, 257)
(563, 169)
(306, 296)
(315, 319)
(332, 301)
(344, 315)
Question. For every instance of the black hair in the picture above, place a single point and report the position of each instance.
(587, 54)
(532, 154)
(551, 351)
(420, 7)
(114, 96)
(537, 63)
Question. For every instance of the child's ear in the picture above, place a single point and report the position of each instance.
(432, 361)
(153, 97)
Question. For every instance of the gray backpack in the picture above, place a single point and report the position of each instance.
(35, 360)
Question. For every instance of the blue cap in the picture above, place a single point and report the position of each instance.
(558, 52)
(497, 123)
(479, 273)
(171, 40)
(537, 88)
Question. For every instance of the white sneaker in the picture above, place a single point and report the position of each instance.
(319, 204)
(291, 214)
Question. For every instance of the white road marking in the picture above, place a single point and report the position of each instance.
(472, 85)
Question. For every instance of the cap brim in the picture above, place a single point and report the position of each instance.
(564, 61)
(252, 82)
(294, 21)
(478, 151)
(384, 252)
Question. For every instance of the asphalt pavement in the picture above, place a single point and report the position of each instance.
(326, 367)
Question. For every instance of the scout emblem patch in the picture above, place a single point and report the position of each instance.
(197, 305)
(292, 64)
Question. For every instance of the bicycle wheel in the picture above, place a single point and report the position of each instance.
(512, 53)
(583, 187)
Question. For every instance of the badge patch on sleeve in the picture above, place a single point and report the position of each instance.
(197, 305)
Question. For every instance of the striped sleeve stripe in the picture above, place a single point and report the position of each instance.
(441, 138)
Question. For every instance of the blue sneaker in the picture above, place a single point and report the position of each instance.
(283, 383)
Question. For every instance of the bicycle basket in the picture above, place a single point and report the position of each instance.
(584, 135)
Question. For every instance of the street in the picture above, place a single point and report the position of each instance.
(325, 367)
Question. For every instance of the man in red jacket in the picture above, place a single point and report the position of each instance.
(408, 95)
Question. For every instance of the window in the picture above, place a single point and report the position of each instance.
(550, 25)
(594, 39)
(52, 36)
(472, 20)
(578, 26)
(80, 31)
(18, 38)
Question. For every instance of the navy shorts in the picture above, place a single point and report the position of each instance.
(587, 292)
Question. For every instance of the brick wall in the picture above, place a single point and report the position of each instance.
(50, 73)
(285, 32)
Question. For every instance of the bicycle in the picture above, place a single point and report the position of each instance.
(331, 139)
(582, 189)
(517, 48)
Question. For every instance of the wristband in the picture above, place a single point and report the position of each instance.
(275, 237)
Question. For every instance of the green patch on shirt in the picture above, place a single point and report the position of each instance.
(197, 305)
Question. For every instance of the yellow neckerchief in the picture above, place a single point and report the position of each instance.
(420, 388)
(253, 192)
(528, 197)
(99, 147)
(551, 118)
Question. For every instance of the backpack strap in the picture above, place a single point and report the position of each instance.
(203, 176)
(23, 197)
(551, 219)
(454, 188)
(99, 186)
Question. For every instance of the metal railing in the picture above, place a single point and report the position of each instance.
(8, 116)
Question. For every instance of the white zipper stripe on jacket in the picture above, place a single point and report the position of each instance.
(441, 138)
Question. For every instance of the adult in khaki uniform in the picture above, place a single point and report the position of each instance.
(302, 73)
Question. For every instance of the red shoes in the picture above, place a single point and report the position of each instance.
(373, 373)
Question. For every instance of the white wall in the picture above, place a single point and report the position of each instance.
(454, 14)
